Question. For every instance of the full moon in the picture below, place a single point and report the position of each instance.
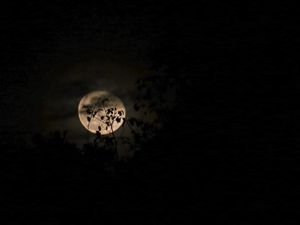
(101, 111)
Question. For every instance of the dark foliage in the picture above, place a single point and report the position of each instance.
(226, 152)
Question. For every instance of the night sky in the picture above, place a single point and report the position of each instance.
(69, 52)
(215, 80)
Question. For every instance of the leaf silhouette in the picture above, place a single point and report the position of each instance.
(136, 107)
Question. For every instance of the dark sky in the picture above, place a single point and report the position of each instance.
(232, 57)
(55, 54)
(231, 137)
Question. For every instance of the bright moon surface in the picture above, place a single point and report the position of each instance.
(101, 111)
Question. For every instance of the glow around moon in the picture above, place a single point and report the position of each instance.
(101, 111)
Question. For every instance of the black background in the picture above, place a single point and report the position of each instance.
(229, 157)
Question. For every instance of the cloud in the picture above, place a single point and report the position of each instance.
(60, 107)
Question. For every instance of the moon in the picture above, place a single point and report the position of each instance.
(101, 111)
